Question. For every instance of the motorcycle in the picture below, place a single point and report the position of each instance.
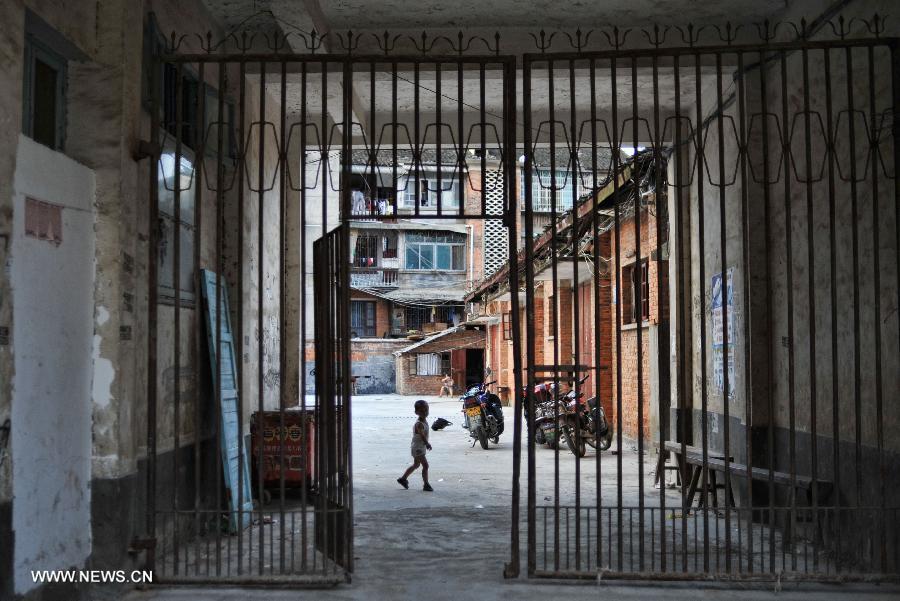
(482, 414)
(546, 412)
(583, 424)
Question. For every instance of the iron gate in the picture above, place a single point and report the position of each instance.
(261, 158)
(717, 264)
(710, 237)
(331, 280)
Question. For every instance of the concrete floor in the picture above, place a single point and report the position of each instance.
(452, 543)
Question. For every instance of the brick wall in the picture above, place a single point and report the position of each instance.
(605, 385)
(563, 333)
(628, 355)
(500, 356)
(408, 383)
(629, 361)
(539, 325)
(372, 361)
(500, 352)
(382, 311)
(628, 256)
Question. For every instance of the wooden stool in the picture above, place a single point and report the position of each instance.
(663, 466)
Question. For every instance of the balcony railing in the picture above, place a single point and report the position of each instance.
(373, 277)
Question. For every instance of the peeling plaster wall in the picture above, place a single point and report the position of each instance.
(768, 259)
(71, 23)
(51, 410)
(709, 176)
(875, 216)
(99, 92)
(795, 387)
(105, 122)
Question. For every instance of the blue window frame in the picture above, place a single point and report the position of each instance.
(435, 251)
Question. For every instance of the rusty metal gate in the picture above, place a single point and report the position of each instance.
(709, 262)
(711, 245)
(331, 280)
(263, 150)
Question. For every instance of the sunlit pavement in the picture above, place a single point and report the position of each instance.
(453, 543)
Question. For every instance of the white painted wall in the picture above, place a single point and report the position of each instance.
(51, 403)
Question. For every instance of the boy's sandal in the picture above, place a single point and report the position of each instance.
(427, 488)
(403, 482)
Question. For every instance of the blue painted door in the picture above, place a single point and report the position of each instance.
(236, 472)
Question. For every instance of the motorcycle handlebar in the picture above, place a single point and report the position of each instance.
(486, 384)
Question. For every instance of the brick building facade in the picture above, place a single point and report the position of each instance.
(637, 325)
(627, 303)
(421, 366)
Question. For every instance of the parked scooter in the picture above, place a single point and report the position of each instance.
(482, 414)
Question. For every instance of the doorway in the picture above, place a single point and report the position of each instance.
(474, 366)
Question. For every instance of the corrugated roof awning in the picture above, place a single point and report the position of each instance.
(419, 294)
(426, 341)
(409, 225)
(435, 297)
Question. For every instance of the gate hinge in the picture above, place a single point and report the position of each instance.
(141, 544)
(511, 570)
(145, 149)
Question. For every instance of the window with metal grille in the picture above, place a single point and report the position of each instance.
(362, 319)
(429, 190)
(189, 117)
(428, 364)
(194, 125)
(365, 254)
(543, 187)
(176, 219)
(417, 317)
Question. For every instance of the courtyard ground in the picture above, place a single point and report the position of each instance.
(452, 544)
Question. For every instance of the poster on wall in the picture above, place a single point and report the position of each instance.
(722, 340)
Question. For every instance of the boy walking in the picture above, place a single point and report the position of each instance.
(418, 447)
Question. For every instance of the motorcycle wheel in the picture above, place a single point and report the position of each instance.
(482, 438)
(539, 437)
(606, 440)
(579, 450)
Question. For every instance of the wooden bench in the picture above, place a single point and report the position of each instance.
(690, 468)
